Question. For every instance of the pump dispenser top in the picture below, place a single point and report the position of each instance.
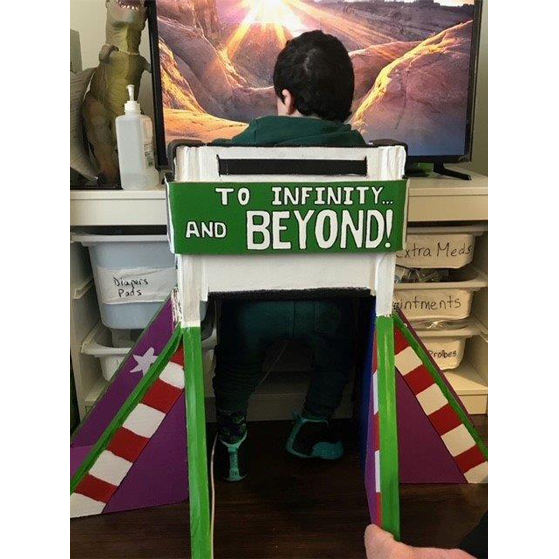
(131, 106)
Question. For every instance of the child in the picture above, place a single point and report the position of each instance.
(314, 83)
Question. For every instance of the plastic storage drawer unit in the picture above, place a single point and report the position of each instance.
(133, 275)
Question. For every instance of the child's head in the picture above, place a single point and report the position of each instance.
(313, 76)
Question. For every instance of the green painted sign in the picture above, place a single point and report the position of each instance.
(260, 218)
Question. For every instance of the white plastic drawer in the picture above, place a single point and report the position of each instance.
(446, 344)
(450, 300)
(439, 247)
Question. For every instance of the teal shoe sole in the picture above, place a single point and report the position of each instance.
(233, 473)
(324, 451)
(233, 477)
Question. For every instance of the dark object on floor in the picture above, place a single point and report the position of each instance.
(476, 542)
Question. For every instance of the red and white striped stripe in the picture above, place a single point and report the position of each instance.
(454, 434)
(376, 431)
(113, 464)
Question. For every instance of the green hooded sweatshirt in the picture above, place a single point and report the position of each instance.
(295, 131)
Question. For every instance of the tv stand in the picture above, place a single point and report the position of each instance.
(414, 170)
(440, 169)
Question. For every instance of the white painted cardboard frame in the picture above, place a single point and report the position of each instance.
(200, 276)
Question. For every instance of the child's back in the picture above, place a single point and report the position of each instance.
(302, 131)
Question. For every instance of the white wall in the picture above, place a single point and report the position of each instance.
(88, 18)
(479, 161)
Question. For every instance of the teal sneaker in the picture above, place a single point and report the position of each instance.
(231, 459)
(314, 438)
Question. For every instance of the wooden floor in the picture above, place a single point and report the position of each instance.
(287, 508)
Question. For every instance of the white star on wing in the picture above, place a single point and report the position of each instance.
(144, 362)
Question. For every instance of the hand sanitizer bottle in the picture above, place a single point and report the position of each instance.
(134, 137)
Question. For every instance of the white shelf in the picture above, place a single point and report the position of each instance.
(466, 380)
(432, 199)
(285, 383)
(439, 198)
(285, 393)
(117, 207)
(281, 394)
(95, 392)
(470, 387)
(119, 195)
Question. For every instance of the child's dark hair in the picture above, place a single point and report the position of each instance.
(316, 69)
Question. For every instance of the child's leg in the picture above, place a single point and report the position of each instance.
(332, 347)
(247, 329)
(327, 327)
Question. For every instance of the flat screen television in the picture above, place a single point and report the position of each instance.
(415, 65)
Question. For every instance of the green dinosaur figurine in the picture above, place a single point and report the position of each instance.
(120, 64)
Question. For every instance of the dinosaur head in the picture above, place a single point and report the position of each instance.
(126, 12)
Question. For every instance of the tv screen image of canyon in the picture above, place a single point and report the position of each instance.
(411, 61)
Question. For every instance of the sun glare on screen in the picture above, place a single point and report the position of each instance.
(275, 13)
